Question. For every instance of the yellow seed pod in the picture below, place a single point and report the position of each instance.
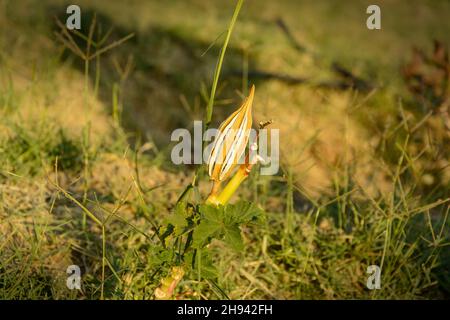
(230, 144)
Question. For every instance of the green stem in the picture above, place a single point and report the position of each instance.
(199, 272)
(230, 188)
(289, 202)
(103, 262)
(97, 76)
(209, 108)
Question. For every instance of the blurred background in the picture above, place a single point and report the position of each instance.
(364, 139)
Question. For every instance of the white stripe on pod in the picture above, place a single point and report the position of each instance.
(235, 146)
(218, 145)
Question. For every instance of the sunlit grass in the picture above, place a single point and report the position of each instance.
(58, 164)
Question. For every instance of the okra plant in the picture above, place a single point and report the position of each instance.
(191, 227)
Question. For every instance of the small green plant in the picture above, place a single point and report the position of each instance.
(191, 228)
(189, 231)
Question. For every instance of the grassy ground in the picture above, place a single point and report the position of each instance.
(365, 177)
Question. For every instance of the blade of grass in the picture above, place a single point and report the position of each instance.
(209, 108)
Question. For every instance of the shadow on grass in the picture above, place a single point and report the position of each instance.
(169, 81)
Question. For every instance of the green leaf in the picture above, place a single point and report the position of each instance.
(178, 219)
(222, 223)
(157, 256)
(233, 237)
(210, 225)
(243, 212)
(207, 268)
(211, 212)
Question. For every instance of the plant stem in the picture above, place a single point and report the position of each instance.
(217, 70)
(103, 262)
(209, 108)
(289, 202)
(231, 186)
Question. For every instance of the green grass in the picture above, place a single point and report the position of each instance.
(86, 178)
